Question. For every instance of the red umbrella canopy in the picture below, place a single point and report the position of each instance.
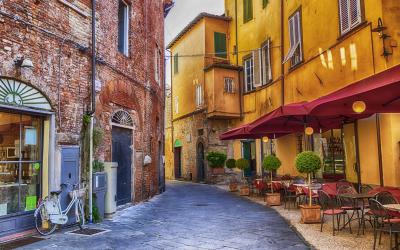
(242, 132)
(380, 93)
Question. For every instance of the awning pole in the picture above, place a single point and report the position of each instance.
(262, 156)
(358, 169)
(378, 139)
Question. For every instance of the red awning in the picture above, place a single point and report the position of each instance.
(243, 132)
(380, 92)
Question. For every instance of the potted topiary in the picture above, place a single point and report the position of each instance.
(216, 162)
(243, 164)
(231, 163)
(272, 163)
(309, 162)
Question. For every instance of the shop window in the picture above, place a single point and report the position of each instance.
(349, 14)
(249, 74)
(333, 153)
(220, 45)
(295, 54)
(20, 162)
(229, 85)
(123, 27)
(247, 10)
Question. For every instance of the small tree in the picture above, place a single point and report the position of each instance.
(216, 159)
(271, 163)
(308, 162)
(230, 163)
(242, 164)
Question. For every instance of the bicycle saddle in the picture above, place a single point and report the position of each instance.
(56, 192)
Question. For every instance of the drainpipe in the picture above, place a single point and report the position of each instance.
(237, 62)
(92, 110)
(282, 57)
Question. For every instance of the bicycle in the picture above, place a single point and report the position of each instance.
(49, 213)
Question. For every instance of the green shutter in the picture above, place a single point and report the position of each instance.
(220, 44)
(265, 3)
(176, 63)
(247, 10)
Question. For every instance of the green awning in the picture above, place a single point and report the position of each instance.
(177, 144)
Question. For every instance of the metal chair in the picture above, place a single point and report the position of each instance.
(383, 222)
(290, 195)
(330, 207)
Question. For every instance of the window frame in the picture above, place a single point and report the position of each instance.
(199, 95)
(246, 84)
(229, 85)
(299, 40)
(351, 25)
(250, 17)
(266, 79)
(220, 54)
(124, 48)
(265, 3)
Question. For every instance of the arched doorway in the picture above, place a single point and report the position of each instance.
(201, 172)
(122, 127)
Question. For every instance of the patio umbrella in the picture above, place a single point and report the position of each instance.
(242, 132)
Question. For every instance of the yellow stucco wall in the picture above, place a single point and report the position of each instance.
(330, 62)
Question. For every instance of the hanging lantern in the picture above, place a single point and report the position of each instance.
(359, 107)
(309, 131)
(265, 139)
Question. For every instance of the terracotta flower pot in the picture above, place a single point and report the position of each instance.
(310, 215)
(218, 170)
(244, 190)
(233, 187)
(273, 199)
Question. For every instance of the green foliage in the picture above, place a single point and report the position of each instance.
(242, 164)
(86, 120)
(95, 210)
(230, 163)
(216, 159)
(271, 163)
(98, 166)
(308, 162)
(97, 137)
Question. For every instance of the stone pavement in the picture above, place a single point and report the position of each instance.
(187, 216)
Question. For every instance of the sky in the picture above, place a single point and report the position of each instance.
(181, 14)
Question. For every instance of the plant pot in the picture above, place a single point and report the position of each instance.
(273, 199)
(310, 215)
(218, 170)
(233, 187)
(244, 191)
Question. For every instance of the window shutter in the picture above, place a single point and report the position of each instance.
(247, 10)
(257, 68)
(220, 45)
(269, 68)
(176, 58)
(344, 16)
(355, 12)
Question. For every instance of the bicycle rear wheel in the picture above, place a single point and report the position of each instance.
(42, 223)
(80, 214)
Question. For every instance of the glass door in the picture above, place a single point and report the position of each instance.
(20, 162)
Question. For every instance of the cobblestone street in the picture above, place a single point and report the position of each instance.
(187, 216)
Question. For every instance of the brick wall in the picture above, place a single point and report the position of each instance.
(54, 36)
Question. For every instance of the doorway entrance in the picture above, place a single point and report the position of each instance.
(178, 162)
(122, 153)
(201, 173)
(249, 153)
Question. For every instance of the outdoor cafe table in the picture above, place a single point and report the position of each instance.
(355, 198)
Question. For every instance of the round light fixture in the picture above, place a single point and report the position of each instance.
(309, 131)
(265, 139)
(359, 107)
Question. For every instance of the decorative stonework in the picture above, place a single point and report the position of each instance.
(16, 93)
(123, 118)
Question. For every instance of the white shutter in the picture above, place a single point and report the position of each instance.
(269, 67)
(355, 13)
(344, 16)
(257, 68)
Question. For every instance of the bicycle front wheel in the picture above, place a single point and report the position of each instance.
(80, 215)
(43, 225)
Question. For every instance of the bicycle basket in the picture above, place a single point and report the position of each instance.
(80, 193)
